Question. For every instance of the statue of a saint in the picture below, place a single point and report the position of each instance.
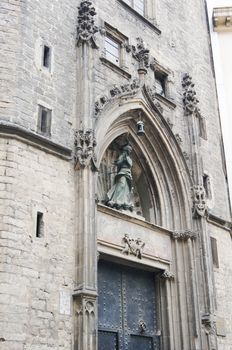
(119, 196)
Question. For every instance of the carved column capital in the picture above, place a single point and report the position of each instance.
(86, 27)
(167, 275)
(85, 143)
(184, 235)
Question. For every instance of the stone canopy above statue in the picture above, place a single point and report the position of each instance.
(123, 180)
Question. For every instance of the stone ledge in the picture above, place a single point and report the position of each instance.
(214, 219)
(34, 139)
(115, 68)
(127, 217)
(165, 101)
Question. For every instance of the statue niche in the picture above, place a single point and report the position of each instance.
(120, 194)
(124, 181)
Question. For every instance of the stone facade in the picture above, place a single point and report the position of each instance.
(48, 268)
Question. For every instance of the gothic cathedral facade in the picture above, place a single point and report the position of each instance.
(115, 220)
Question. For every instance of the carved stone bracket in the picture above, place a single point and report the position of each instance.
(85, 143)
(133, 246)
(141, 54)
(115, 92)
(199, 201)
(86, 25)
(185, 235)
(167, 275)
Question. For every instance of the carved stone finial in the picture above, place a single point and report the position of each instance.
(199, 201)
(85, 143)
(167, 275)
(133, 246)
(190, 100)
(86, 26)
(141, 54)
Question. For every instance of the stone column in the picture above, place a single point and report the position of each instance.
(169, 342)
(205, 270)
(85, 293)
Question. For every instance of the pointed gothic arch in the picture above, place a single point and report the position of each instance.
(159, 153)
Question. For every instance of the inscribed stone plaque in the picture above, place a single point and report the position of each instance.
(65, 304)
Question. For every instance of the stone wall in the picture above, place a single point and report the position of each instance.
(35, 270)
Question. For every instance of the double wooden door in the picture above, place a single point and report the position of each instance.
(126, 308)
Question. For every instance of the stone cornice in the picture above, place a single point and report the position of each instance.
(17, 132)
(222, 19)
(215, 220)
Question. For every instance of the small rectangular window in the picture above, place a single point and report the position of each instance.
(46, 57)
(137, 5)
(39, 225)
(214, 251)
(207, 186)
(160, 83)
(44, 120)
(112, 50)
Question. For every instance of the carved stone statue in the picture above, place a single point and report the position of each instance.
(133, 246)
(119, 196)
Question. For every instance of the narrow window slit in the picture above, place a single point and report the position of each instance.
(46, 56)
(39, 225)
(214, 252)
(44, 121)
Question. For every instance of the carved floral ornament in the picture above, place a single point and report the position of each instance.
(115, 92)
(141, 54)
(85, 143)
(167, 275)
(184, 235)
(86, 24)
(122, 91)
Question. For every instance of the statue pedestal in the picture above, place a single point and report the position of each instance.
(133, 214)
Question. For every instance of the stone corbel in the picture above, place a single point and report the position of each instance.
(86, 28)
(85, 143)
